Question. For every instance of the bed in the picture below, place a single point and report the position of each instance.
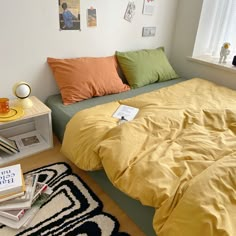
(176, 158)
(62, 114)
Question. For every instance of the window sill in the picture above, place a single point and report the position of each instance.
(213, 62)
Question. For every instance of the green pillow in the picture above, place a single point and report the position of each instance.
(144, 67)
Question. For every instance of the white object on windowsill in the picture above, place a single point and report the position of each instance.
(224, 52)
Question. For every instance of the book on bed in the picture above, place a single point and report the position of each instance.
(125, 112)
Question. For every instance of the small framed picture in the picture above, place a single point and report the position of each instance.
(29, 141)
(91, 17)
(148, 7)
(149, 31)
(130, 11)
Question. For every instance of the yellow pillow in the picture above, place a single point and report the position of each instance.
(82, 78)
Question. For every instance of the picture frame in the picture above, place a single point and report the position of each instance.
(91, 17)
(149, 31)
(148, 7)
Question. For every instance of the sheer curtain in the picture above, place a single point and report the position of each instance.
(217, 25)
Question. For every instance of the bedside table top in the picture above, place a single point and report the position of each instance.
(38, 108)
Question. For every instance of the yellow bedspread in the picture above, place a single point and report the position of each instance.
(178, 155)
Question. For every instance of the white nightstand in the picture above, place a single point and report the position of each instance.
(36, 121)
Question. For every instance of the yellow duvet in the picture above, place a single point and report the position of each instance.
(178, 155)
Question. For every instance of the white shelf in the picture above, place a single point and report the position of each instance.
(36, 119)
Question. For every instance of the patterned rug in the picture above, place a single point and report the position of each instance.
(72, 209)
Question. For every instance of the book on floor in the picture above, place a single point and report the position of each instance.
(7, 197)
(39, 188)
(30, 185)
(15, 215)
(11, 181)
(28, 214)
(26, 199)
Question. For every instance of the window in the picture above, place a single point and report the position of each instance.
(216, 26)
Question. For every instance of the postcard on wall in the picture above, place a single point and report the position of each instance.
(91, 17)
(148, 7)
(69, 14)
(149, 31)
(130, 11)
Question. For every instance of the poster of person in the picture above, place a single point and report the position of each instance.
(130, 10)
(69, 14)
(91, 17)
(148, 7)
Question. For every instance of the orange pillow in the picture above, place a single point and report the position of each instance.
(82, 78)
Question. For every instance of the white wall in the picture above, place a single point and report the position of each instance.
(30, 33)
(188, 15)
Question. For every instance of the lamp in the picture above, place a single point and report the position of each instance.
(22, 91)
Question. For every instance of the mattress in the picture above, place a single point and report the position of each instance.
(61, 114)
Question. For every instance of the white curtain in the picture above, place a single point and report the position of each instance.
(217, 25)
(224, 25)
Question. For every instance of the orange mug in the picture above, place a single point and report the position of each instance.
(4, 105)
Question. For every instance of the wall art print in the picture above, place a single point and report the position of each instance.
(69, 14)
(130, 11)
(91, 17)
(148, 7)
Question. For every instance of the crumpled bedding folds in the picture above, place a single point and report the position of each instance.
(177, 155)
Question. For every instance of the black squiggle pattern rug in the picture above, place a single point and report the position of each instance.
(72, 209)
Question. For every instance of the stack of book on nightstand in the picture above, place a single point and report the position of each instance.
(20, 196)
(8, 146)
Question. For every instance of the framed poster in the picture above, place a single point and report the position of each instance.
(148, 7)
(69, 14)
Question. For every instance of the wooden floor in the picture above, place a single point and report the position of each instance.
(53, 156)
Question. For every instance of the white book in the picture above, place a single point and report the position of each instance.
(7, 149)
(8, 197)
(125, 112)
(39, 188)
(8, 143)
(11, 179)
(30, 185)
(15, 215)
(28, 215)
